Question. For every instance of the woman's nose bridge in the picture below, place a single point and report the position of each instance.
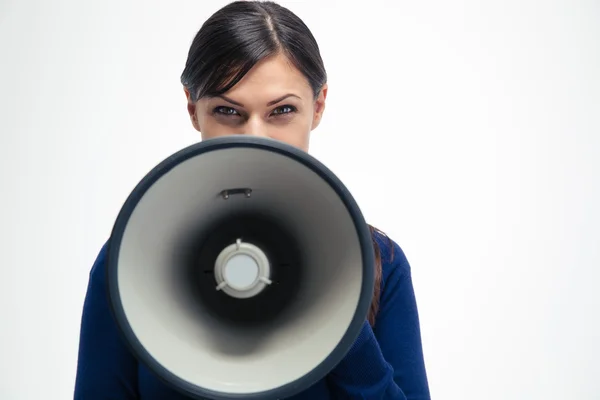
(256, 126)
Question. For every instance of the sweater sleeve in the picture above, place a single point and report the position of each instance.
(105, 367)
(386, 362)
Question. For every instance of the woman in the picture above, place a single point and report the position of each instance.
(254, 68)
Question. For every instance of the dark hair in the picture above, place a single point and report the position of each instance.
(236, 38)
(241, 34)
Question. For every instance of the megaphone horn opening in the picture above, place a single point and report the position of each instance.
(299, 240)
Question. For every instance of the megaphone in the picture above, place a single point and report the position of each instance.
(240, 267)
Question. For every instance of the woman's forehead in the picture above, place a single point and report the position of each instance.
(270, 79)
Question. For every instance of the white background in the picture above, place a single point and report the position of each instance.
(469, 131)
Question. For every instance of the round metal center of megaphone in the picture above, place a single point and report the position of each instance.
(242, 270)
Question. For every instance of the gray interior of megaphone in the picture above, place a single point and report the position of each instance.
(162, 277)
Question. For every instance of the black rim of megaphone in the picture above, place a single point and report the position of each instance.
(351, 334)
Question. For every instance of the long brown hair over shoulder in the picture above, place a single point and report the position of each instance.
(374, 309)
(238, 36)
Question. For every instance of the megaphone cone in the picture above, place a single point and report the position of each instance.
(240, 267)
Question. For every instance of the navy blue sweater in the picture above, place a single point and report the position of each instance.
(385, 362)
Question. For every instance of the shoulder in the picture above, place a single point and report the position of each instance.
(397, 297)
(394, 263)
(98, 266)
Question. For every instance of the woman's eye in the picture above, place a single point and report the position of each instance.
(225, 111)
(284, 110)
